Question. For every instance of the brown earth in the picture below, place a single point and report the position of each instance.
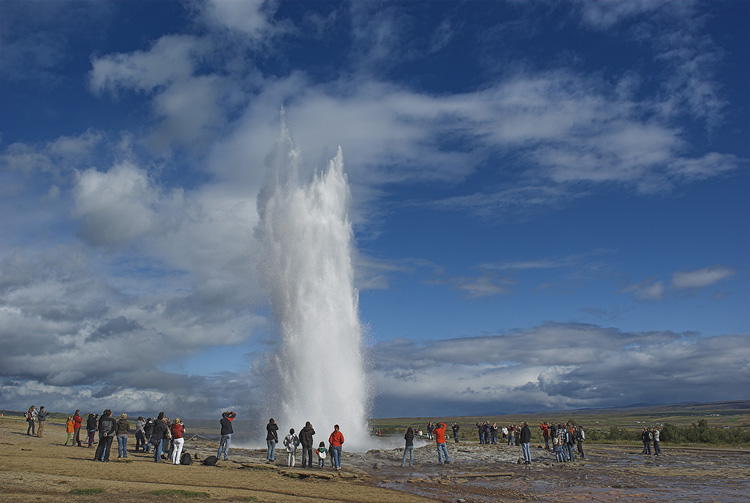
(42, 469)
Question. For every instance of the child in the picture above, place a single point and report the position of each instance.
(70, 428)
(291, 442)
(321, 452)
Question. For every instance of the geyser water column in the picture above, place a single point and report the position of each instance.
(317, 372)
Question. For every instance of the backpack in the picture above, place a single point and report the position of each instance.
(185, 459)
(210, 461)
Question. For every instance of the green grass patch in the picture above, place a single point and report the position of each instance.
(87, 492)
(181, 493)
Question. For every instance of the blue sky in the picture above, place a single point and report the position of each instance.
(549, 199)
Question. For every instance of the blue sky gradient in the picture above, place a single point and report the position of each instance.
(549, 199)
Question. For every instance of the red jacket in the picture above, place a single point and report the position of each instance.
(439, 433)
(177, 430)
(77, 421)
(336, 439)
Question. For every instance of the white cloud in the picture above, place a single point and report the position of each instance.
(701, 278)
(252, 18)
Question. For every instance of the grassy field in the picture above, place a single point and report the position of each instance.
(735, 414)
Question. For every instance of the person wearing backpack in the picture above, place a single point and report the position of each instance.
(41, 417)
(291, 442)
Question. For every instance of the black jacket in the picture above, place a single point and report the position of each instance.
(525, 436)
(409, 437)
(91, 422)
(160, 431)
(272, 428)
(306, 436)
(107, 426)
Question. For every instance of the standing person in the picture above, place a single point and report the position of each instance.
(41, 417)
(480, 429)
(178, 434)
(525, 439)
(226, 434)
(107, 429)
(580, 437)
(31, 418)
(157, 435)
(140, 434)
(511, 433)
(322, 453)
(645, 438)
(69, 429)
(123, 429)
(306, 439)
(336, 440)
(272, 437)
(545, 434)
(291, 442)
(570, 441)
(657, 447)
(440, 441)
(493, 433)
(409, 448)
(505, 432)
(148, 430)
(91, 427)
(430, 429)
(77, 423)
(455, 427)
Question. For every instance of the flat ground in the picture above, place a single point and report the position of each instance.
(42, 469)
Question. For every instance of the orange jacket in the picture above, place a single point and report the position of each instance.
(70, 426)
(439, 433)
(336, 439)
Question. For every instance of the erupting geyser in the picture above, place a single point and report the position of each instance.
(317, 372)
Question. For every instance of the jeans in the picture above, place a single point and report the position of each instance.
(224, 445)
(443, 450)
(510, 439)
(494, 438)
(157, 451)
(336, 456)
(455, 436)
(102, 450)
(646, 447)
(177, 452)
(580, 448)
(91, 437)
(526, 452)
(409, 449)
(31, 428)
(122, 446)
(271, 456)
(306, 456)
(164, 445)
(571, 452)
(657, 448)
(140, 441)
(481, 437)
(546, 442)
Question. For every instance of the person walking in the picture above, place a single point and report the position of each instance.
(77, 423)
(178, 434)
(525, 439)
(123, 430)
(439, 433)
(291, 442)
(336, 441)
(41, 417)
(306, 439)
(409, 448)
(272, 437)
(226, 434)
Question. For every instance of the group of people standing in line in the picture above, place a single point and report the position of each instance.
(305, 439)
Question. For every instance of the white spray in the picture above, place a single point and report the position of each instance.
(317, 373)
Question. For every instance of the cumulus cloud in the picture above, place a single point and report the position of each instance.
(557, 366)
